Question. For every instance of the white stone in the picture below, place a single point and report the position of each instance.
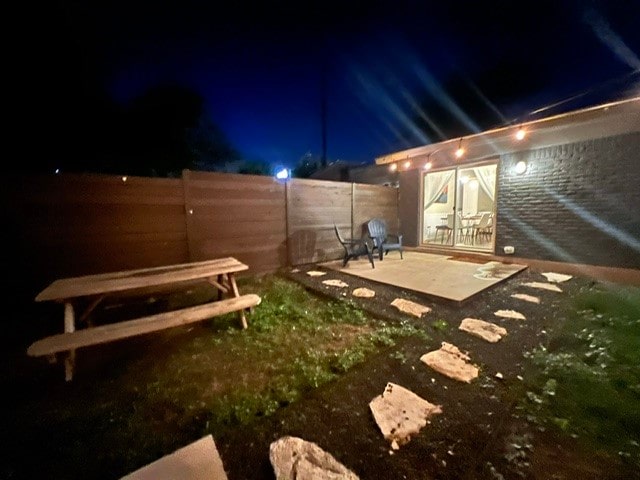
(400, 413)
(335, 283)
(363, 293)
(484, 330)
(557, 277)
(410, 307)
(315, 273)
(293, 458)
(509, 314)
(543, 286)
(196, 461)
(526, 298)
(450, 361)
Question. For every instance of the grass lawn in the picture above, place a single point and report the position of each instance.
(160, 391)
(585, 380)
(565, 405)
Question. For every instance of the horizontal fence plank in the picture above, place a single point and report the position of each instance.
(75, 224)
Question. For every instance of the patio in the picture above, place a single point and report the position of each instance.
(440, 277)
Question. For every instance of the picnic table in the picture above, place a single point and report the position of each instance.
(95, 288)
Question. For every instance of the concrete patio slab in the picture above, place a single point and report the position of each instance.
(436, 276)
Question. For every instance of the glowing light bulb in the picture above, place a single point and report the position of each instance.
(407, 164)
(459, 152)
(393, 167)
(520, 167)
(427, 166)
(520, 134)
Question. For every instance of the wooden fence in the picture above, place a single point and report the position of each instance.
(63, 225)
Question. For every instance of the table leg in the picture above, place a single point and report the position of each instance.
(69, 327)
(236, 293)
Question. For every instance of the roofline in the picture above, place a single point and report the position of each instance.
(436, 147)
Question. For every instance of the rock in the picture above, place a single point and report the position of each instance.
(363, 293)
(543, 286)
(410, 307)
(199, 459)
(335, 283)
(450, 361)
(526, 298)
(400, 413)
(556, 277)
(509, 314)
(315, 273)
(293, 458)
(485, 330)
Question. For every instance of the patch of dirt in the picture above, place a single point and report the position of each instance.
(476, 435)
(479, 435)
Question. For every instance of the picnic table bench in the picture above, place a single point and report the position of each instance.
(220, 273)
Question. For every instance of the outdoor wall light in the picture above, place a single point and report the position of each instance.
(520, 134)
(520, 167)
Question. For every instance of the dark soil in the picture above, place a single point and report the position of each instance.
(480, 434)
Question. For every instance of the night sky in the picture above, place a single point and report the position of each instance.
(384, 68)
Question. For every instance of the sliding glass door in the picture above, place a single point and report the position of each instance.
(459, 206)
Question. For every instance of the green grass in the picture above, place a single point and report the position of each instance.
(188, 382)
(586, 382)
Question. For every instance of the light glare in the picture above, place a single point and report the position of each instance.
(282, 174)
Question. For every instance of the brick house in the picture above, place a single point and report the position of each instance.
(563, 192)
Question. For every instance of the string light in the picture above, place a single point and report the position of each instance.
(460, 150)
(393, 167)
(427, 166)
(407, 164)
(520, 133)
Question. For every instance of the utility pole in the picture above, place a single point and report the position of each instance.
(323, 111)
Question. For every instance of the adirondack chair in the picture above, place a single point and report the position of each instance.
(354, 248)
(383, 241)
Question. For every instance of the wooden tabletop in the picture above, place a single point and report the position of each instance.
(103, 283)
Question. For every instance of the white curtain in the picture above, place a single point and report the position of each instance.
(434, 184)
(487, 179)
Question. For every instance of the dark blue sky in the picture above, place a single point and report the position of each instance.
(259, 65)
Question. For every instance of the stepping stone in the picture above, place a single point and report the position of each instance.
(196, 461)
(557, 277)
(315, 273)
(451, 362)
(363, 293)
(293, 458)
(400, 413)
(335, 283)
(526, 298)
(509, 314)
(543, 286)
(410, 307)
(484, 330)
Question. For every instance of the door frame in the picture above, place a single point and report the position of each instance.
(456, 168)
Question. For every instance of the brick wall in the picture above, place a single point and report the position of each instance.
(577, 203)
